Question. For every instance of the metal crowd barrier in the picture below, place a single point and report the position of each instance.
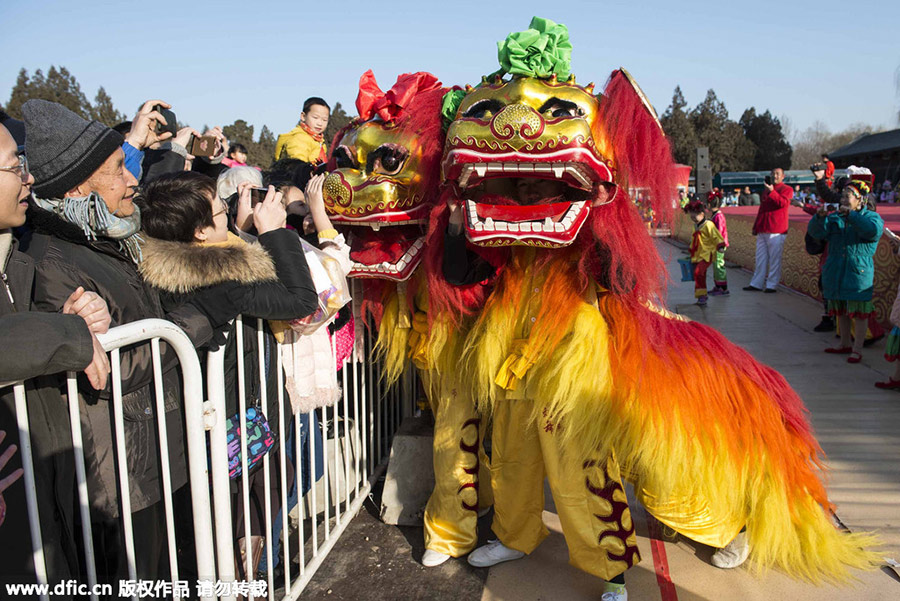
(361, 425)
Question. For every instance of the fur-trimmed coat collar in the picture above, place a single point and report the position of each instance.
(181, 267)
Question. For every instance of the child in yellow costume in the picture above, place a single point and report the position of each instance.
(579, 368)
(306, 142)
(384, 185)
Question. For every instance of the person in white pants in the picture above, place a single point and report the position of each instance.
(770, 229)
(767, 272)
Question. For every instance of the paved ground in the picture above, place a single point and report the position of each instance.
(857, 425)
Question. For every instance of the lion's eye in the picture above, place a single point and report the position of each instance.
(388, 159)
(484, 109)
(556, 108)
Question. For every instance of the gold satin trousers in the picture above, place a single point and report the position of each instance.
(462, 480)
(588, 495)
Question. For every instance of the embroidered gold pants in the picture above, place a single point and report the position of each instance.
(589, 497)
(462, 481)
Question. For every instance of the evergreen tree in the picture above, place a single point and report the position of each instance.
(104, 111)
(61, 86)
(239, 131)
(265, 148)
(729, 148)
(765, 132)
(57, 86)
(19, 95)
(679, 129)
(339, 118)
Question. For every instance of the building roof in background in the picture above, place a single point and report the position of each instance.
(881, 142)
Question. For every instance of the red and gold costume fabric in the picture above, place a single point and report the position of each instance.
(570, 335)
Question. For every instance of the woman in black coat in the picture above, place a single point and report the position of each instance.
(190, 257)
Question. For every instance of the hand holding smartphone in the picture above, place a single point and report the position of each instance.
(257, 195)
(202, 146)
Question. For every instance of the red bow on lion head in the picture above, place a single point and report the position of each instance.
(389, 105)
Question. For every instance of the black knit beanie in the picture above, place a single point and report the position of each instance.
(63, 149)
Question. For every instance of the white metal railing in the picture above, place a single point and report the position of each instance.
(361, 424)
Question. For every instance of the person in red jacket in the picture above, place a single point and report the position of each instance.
(770, 229)
(829, 170)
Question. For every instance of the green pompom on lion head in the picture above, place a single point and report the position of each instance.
(450, 105)
(541, 51)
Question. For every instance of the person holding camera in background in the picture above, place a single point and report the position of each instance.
(848, 275)
(828, 167)
(770, 229)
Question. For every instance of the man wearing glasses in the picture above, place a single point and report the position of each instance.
(39, 344)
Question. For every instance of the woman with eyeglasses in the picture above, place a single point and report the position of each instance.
(190, 255)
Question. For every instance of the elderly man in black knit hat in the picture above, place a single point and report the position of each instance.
(86, 233)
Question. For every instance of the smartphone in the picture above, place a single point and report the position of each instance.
(257, 195)
(768, 180)
(171, 122)
(204, 146)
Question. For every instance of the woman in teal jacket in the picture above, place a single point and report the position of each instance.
(852, 233)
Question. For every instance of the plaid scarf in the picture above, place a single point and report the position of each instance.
(91, 214)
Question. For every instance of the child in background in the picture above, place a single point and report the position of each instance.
(306, 141)
(718, 218)
(706, 241)
(236, 156)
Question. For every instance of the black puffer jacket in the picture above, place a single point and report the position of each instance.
(65, 259)
(269, 279)
(38, 347)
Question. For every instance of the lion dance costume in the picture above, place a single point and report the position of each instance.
(384, 183)
(586, 378)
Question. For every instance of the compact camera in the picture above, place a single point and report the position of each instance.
(171, 122)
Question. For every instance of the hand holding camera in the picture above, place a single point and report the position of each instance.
(153, 123)
(184, 137)
(269, 214)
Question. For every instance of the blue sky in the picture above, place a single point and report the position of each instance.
(835, 62)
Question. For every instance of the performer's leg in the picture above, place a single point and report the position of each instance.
(761, 268)
(700, 293)
(517, 475)
(720, 277)
(485, 490)
(593, 509)
(860, 325)
(452, 510)
(844, 325)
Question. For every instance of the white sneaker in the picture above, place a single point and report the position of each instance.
(615, 592)
(493, 553)
(734, 554)
(433, 558)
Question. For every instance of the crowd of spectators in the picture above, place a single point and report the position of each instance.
(103, 226)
